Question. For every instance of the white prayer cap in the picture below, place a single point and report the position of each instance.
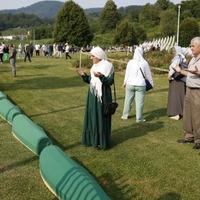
(99, 53)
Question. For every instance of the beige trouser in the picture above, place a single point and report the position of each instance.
(191, 114)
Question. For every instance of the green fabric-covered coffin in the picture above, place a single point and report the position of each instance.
(67, 179)
(2, 95)
(8, 110)
(30, 134)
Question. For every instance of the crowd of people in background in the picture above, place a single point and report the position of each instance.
(184, 82)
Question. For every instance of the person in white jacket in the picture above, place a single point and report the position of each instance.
(135, 85)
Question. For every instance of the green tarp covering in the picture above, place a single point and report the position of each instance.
(30, 134)
(2, 95)
(5, 57)
(66, 178)
(8, 110)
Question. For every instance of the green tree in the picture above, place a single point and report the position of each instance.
(168, 22)
(140, 33)
(149, 16)
(191, 6)
(189, 28)
(43, 32)
(72, 25)
(125, 34)
(109, 17)
(163, 4)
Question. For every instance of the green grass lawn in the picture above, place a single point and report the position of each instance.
(144, 163)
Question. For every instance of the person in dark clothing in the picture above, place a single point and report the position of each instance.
(1, 52)
(12, 59)
(97, 125)
(67, 49)
(27, 51)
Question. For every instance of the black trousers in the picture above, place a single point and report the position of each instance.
(27, 55)
(67, 55)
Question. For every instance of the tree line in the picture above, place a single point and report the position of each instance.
(127, 26)
(111, 26)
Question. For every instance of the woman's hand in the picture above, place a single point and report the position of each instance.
(80, 72)
(169, 77)
(177, 68)
(98, 74)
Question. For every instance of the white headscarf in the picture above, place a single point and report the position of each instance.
(180, 51)
(104, 67)
(99, 53)
(133, 75)
(138, 60)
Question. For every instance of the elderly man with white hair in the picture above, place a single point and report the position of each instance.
(177, 85)
(135, 85)
(97, 125)
(191, 119)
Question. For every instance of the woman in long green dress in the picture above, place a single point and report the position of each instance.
(97, 126)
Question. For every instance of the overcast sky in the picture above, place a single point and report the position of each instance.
(14, 4)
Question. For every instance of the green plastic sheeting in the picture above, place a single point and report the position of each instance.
(2, 95)
(8, 110)
(5, 57)
(67, 179)
(30, 134)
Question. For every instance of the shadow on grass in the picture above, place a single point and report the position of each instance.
(155, 114)
(118, 187)
(152, 115)
(30, 75)
(136, 130)
(43, 83)
(17, 164)
(170, 196)
(32, 65)
(152, 91)
(59, 144)
(59, 110)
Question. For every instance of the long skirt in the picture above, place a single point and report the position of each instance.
(176, 96)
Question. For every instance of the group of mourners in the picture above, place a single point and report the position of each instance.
(183, 95)
(184, 92)
(183, 98)
(8, 52)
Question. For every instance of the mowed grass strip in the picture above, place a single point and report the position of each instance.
(144, 163)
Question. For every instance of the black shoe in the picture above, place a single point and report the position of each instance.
(196, 146)
(184, 141)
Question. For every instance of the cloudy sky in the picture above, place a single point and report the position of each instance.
(14, 4)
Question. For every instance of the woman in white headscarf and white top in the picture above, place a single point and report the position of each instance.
(177, 85)
(97, 126)
(135, 85)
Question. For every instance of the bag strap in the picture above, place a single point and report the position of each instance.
(142, 73)
(115, 99)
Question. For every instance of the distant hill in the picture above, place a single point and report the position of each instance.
(43, 9)
(49, 9)
(89, 11)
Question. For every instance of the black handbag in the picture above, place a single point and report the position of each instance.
(148, 84)
(183, 65)
(110, 108)
(177, 76)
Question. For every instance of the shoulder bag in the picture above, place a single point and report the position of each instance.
(110, 108)
(148, 84)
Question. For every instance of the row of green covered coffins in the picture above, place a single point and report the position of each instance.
(30, 134)
(7, 109)
(66, 178)
(25, 130)
(63, 176)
